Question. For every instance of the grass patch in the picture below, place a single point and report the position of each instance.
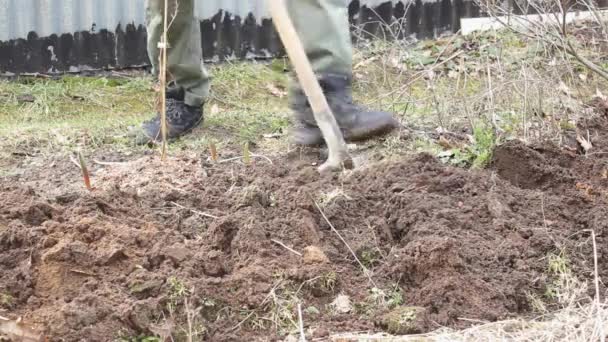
(380, 299)
(72, 110)
(478, 153)
(248, 101)
(178, 292)
(441, 84)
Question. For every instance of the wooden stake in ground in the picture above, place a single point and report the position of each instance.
(163, 45)
(85, 171)
(338, 154)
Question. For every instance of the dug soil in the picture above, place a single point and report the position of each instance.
(239, 246)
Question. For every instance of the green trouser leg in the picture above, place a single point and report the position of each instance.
(324, 30)
(185, 54)
(322, 24)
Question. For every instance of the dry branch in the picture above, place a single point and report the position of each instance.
(365, 270)
(286, 247)
(163, 45)
(549, 26)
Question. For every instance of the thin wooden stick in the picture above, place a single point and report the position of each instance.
(287, 248)
(596, 282)
(189, 318)
(242, 157)
(301, 324)
(163, 83)
(365, 270)
(195, 211)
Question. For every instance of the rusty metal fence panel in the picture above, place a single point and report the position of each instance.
(73, 35)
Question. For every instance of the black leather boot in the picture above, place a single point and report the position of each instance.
(181, 118)
(357, 123)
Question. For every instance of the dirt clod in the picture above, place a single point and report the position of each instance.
(177, 254)
(314, 255)
(342, 304)
(404, 320)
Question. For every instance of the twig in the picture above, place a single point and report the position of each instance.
(83, 273)
(301, 324)
(491, 98)
(287, 248)
(584, 61)
(74, 161)
(188, 313)
(103, 163)
(241, 157)
(525, 111)
(542, 208)
(365, 270)
(596, 282)
(195, 211)
(421, 74)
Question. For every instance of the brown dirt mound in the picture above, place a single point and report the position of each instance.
(454, 243)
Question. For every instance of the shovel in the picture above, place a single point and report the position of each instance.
(338, 157)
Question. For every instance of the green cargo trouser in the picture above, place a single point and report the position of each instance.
(322, 25)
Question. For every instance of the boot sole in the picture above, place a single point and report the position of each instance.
(349, 138)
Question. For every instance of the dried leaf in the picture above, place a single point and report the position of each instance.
(443, 142)
(215, 109)
(599, 95)
(564, 89)
(552, 62)
(365, 62)
(583, 77)
(274, 90)
(397, 64)
(586, 188)
(605, 174)
(585, 144)
(453, 74)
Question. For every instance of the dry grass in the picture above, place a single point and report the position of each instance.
(512, 85)
(573, 324)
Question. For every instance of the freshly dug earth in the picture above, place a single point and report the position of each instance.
(157, 240)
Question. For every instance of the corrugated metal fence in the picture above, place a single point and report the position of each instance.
(72, 35)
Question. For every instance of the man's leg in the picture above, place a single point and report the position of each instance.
(324, 29)
(190, 80)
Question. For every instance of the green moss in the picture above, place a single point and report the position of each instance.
(402, 320)
(6, 300)
(140, 338)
